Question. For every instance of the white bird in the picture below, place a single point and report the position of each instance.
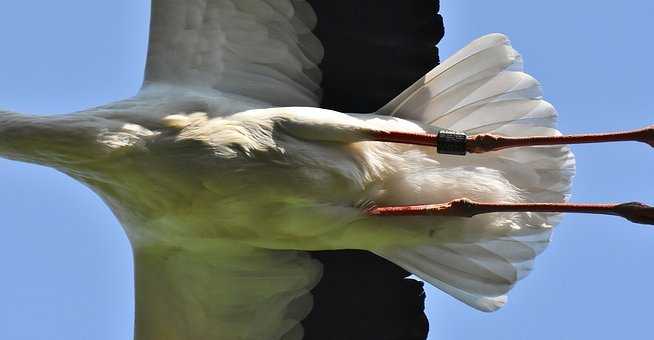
(223, 172)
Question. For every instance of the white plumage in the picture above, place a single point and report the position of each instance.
(259, 49)
(482, 89)
(220, 189)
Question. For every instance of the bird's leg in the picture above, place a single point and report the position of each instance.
(452, 142)
(488, 142)
(633, 211)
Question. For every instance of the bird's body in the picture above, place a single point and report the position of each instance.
(220, 186)
(214, 173)
(180, 167)
(203, 182)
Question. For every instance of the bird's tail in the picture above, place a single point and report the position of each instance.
(482, 89)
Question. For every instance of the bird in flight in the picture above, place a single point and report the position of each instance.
(223, 172)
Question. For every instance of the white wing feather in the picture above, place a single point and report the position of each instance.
(222, 290)
(202, 55)
(260, 49)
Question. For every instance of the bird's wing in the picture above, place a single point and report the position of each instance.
(260, 49)
(221, 291)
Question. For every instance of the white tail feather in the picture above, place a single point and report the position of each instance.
(482, 89)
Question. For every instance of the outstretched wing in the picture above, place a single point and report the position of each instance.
(219, 290)
(260, 49)
(375, 49)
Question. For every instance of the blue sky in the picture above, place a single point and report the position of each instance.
(67, 271)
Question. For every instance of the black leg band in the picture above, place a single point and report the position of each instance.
(451, 142)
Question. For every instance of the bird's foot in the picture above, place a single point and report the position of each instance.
(636, 212)
(633, 211)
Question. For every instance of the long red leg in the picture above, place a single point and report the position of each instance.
(633, 211)
(488, 142)
(451, 142)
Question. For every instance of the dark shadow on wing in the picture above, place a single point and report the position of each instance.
(374, 49)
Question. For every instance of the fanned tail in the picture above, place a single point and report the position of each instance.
(482, 89)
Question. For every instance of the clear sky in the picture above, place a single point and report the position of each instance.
(66, 264)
